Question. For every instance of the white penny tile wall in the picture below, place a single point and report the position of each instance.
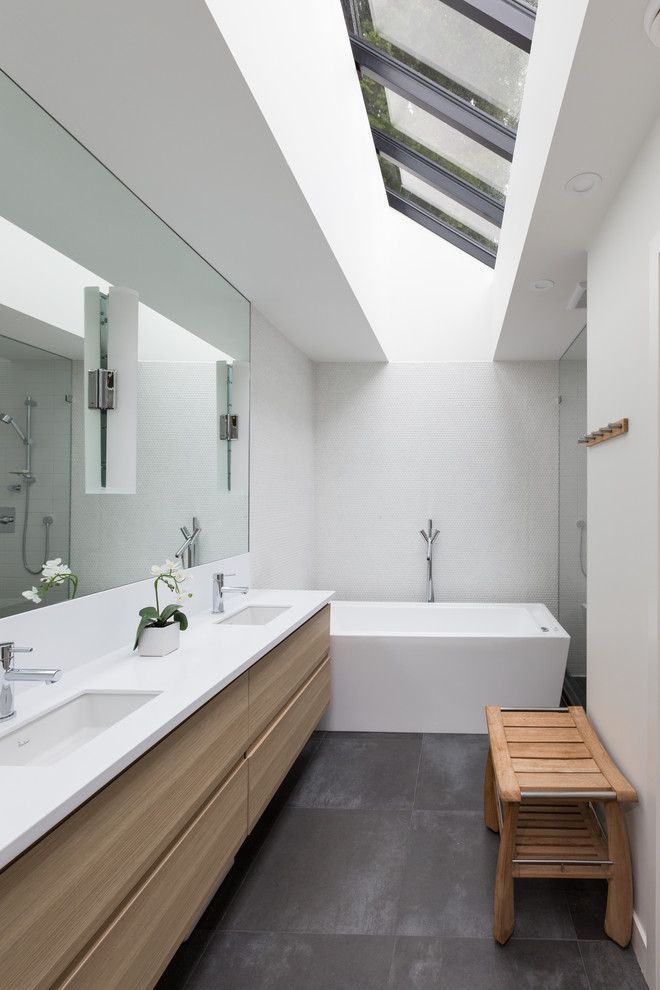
(281, 461)
(474, 445)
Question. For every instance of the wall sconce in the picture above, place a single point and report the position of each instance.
(233, 405)
(110, 390)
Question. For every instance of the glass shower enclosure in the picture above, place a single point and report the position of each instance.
(573, 529)
(35, 468)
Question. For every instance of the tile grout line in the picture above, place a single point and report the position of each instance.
(419, 765)
(584, 967)
(390, 973)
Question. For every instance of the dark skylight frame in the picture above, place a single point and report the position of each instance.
(384, 68)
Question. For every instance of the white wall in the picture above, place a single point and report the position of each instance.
(622, 657)
(281, 460)
(473, 445)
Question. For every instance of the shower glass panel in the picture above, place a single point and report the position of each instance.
(35, 476)
(573, 528)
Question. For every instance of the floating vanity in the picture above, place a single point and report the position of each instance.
(113, 844)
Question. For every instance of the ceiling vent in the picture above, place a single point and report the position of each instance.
(578, 298)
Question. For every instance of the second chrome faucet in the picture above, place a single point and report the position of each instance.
(220, 589)
(9, 674)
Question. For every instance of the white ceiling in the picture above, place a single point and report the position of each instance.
(154, 92)
(255, 147)
(611, 97)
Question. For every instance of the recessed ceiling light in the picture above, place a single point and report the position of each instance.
(542, 285)
(584, 182)
(652, 22)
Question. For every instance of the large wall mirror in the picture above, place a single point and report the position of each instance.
(109, 471)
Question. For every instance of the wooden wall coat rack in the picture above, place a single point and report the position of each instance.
(616, 429)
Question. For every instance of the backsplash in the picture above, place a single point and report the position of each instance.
(72, 633)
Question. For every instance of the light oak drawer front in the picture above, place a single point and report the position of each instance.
(272, 756)
(135, 947)
(58, 895)
(276, 677)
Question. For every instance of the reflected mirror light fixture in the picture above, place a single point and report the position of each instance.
(584, 182)
(110, 390)
(233, 398)
(542, 285)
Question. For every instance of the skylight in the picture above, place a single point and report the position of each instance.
(442, 82)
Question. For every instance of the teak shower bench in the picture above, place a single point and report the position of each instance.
(544, 771)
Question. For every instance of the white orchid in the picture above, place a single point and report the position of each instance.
(173, 577)
(53, 574)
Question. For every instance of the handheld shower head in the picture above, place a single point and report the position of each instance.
(6, 418)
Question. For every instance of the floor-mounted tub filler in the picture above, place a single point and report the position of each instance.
(404, 667)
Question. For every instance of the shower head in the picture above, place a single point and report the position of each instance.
(6, 418)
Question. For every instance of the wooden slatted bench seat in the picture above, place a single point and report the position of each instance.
(544, 772)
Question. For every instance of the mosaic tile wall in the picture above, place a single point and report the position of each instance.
(281, 461)
(473, 445)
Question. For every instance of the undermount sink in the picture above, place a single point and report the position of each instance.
(50, 737)
(256, 615)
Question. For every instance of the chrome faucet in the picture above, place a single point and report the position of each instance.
(9, 674)
(189, 546)
(220, 589)
(430, 540)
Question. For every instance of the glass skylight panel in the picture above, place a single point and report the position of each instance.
(419, 193)
(450, 49)
(438, 141)
(442, 82)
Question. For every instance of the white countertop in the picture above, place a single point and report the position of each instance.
(212, 654)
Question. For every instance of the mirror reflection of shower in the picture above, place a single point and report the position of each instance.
(28, 479)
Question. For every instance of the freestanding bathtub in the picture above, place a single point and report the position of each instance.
(400, 667)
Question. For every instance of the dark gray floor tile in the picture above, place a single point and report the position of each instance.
(542, 910)
(587, 900)
(365, 770)
(449, 878)
(610, 967)
(178, 972)
(325, 871)
(451, 773)
(448, 881)
(246, 855)
(267, 961)
(475, 963)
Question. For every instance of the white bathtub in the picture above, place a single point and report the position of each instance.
(400, 667)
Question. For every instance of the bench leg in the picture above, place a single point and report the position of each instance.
(490, 797)
(618, 917)
(503, 915)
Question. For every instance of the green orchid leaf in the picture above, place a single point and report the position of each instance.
(148, 612)
(145, 622)
(168, 612)
(182, 619)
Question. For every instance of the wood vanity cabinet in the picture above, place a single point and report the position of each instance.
(105, 898)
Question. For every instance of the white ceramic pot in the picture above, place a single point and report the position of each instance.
(158, 641)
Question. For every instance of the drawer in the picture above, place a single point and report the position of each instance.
(61, 892)
(273, 754)
(275, 678)
(140, 939)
